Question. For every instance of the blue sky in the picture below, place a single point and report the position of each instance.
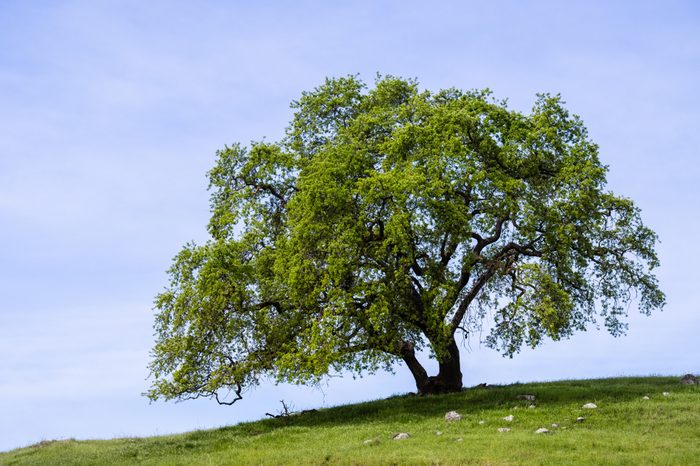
(111, 112)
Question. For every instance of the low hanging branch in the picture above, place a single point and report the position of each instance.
(236, 391)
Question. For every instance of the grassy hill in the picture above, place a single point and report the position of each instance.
(624, 429)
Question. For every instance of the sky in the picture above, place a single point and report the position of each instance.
(111, 113)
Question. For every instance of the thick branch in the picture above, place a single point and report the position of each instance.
(469, 297)
(447, 250)
(481, 242)
(408, 354)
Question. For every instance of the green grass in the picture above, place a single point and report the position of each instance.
(625, 429)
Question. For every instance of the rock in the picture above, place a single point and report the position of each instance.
(526, 397)
(503, 429)
(482, 422)
(532, 407)
(555, 425)
(438, 433)
(580, 419)
(589, 406)
(401, 436)
(646, 397)
(689, 379)
(460, 439)
(371, 441)
(508, 418)
(452, 416)
(666, 394)
(542, 430)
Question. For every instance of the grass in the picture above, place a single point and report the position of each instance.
(624, 429)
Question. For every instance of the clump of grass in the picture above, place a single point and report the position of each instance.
(624, 429)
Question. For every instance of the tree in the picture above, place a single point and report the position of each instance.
(391, 219)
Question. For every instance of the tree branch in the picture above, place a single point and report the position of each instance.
(491, 269)
(408, 354)
(237, 391)
(469, 297)
(267, 187)
(481, 242)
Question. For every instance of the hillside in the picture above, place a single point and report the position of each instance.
(625, 428)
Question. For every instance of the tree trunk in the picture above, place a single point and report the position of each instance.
(449, 377)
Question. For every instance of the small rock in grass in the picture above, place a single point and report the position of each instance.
(665, 393)
(580, 419)
(482, 422)
(526, 397)
(452, 416)
(508, 418)
(401, 436)
(532, 407)
(542, 430)
(503, 429)
(589, 406)
(689, 379)
(438, 433)
(460, 439)
(555, 425)
(371, 441)
(646, 397)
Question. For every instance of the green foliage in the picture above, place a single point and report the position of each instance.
(389, 216)
(625, 429)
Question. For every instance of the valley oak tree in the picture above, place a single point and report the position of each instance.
(390, 220)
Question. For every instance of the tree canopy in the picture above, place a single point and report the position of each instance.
(391, 219)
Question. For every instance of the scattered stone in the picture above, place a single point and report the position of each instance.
(452, 416)
(401, 436)
(532, 407)
(555, 425)
(371, 441)
(580, 419)
(438, 433)
(666, 394)
(526, 397)
(460, 439)
(689, 379)
(646, 397)
(503, 429)
(508, 418)
(542, 430)
(482, 422)
(589, 406)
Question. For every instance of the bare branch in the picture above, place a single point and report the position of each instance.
(285, 412)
